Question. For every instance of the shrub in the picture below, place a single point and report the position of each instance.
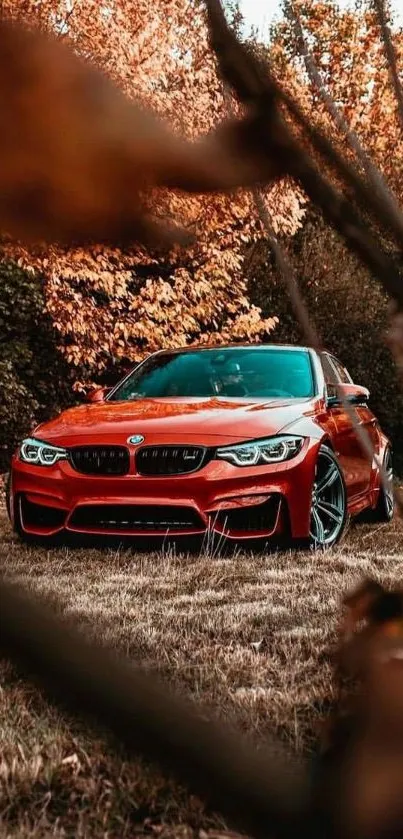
(349, 310)
(35, 381)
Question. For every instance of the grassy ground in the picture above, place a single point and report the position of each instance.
(247, 634)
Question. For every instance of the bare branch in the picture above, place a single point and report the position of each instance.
(287, 274)
(318, 84)
(386, 215)
(373, 173)
(390, 54)
(254, 84)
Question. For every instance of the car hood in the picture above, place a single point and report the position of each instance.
(207, 421)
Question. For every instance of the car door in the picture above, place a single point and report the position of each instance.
(353, 461)
(363, 412)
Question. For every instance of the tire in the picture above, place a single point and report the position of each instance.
(385, 508)
(329, 517)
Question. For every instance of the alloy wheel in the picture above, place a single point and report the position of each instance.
(388, 492)
(328, 511)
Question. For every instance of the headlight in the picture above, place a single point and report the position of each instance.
(39, 453)
(258, 452)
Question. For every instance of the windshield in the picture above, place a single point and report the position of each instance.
(231, 372)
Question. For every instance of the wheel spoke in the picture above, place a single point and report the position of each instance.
(390, 501)
(320, 530)
(331, 476)
(330, 510)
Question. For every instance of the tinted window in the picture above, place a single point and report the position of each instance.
(341, 371)
(256, 373)
(328, 370)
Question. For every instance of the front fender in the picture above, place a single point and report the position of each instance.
(299, 496)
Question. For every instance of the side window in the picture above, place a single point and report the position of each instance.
(328, 371)
(342, 373)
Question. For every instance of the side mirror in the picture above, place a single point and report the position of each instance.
(355, 394)
(98, 395)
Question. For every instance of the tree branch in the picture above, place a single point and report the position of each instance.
(391, 55)
(374, 175)
(256, 87)
(264, 793)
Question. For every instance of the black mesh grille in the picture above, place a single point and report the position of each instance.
(39, 515)
(100, 460)
(134, 517)
(170, 460)
(259, 517)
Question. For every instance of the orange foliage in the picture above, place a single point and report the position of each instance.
(109, 304)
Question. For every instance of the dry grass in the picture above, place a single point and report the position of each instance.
(246, 633)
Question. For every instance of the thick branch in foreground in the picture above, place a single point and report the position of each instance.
(261, 792)
(77, 156)
(369, 654)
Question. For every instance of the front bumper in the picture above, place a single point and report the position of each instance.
(243, 503)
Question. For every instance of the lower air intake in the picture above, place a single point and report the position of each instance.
(41, 516)
(260, 518)
(131, 517)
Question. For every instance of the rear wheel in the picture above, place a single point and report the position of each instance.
(385, 507)
(329, 501)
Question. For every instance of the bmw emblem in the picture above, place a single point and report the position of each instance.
(135, 439)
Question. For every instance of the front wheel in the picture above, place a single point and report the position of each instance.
(329, 501)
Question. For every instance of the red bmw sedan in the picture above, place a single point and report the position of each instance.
(248, 441)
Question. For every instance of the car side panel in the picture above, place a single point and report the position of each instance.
(357, 469)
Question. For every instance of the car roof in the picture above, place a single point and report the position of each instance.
(237, 346)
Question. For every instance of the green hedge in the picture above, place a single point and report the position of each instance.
(35, 382)
(349, 310)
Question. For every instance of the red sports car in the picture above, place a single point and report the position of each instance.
(250, 441)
